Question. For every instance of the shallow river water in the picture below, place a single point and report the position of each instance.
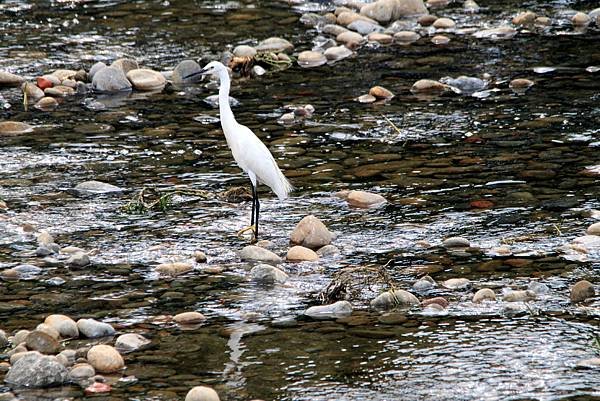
(533, 157)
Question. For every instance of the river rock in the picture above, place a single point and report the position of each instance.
(394, 299)
(244, 51)
(311, 58)
(202, 393)
(92, 328)
(275, 45)
(470, 6)
(42, 342)
(185, 68)
(350, 39)
(14, 128)
(364, 199)
(519, 296)
(258, 254)
(64, 325)
(366, 99)
(591, 363)
(424, 284)
(189, 317)
(105, 358)
(299, 254)
(111, 79)
(22, 271)
(543, 21)
(464, 84)
(406, 37)
(3, 339)
(51, 331)
(63, 74)
(381, 38)
(581, 19)
(81, 371)
(311, 233)
(594, 229)
(144, 79)
(125, 64)
(457, 283)
(173, 268)
(538, 288)
(333, 311)
(35, 370)
(484, 294)
(456, 242)
(131, 342)
(10, 79)
(20, 336)
(520, 84)
(95, 68)
(46, 103)
(268, 274)
(33, 92)
(581, 291)
(444, 23)
(364, 27)
(503, 32)
(428, 86)
(337, 53)
(328, 250)
(96, 187)
(78, 259)
(347, 17)
(334, 30)
(441, 301)
(440, 40)
(390, 10)
(524, 18)
(67, 356)
(200, 257)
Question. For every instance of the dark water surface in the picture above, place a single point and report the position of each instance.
(526, 154)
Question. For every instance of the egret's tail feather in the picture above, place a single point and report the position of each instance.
(283, 187)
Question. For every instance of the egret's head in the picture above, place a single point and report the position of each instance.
(212, 68)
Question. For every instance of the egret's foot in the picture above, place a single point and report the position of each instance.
(245, 230)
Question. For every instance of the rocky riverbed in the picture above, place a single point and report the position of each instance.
(442, 242)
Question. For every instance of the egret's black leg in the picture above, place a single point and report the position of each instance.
(253, 203)
(257, 212)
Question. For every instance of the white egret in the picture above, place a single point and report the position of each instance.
(250, 154)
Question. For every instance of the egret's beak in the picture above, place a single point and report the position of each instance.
(201, 72)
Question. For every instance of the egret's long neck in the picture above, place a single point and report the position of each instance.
(224, 108)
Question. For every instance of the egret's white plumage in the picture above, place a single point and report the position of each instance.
(248, 151)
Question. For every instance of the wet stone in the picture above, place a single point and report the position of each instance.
(267, 274)
(105, 359)
(10, 79)
(146, 80)
(591, 363)
(581, 291)
(424, 284)
(457, 283)
(35, 370)
(504, 32)
(390, 10)
(125, 64)
(189, 317)
(328, 250)
(95, 68)
(366, 99)
(393, 299)
(96, 187)
(299, 254)
(78, 259)
(444, 23)
(32, 91)
(519, 296)
(484, 294)
(202, 393)
(524, 18)
(581, 19)
(333, 29)
(131, 342)
(441, 301)
(81, 371)
(274, 44)
(428, 86)
(311, 233)
(456, 242)
(185, 68)
(110, 80)
(406, 37)
(258, 254)
(92, 328)
(392, 318)
(173, 269)
(308, 59)
(14, 128)
(363, 27)
(593, 229)
(336, 310)
(351, 40)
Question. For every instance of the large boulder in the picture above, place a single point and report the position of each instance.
(385, 11)
(36, 370)
(111, 79)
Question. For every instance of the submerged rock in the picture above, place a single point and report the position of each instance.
(202, 393)
(96, 187)
(457, 283)
(333, 311)
(78, 259)
(503, 32)
(173, 269)
(268, 274)
(189, 317)
(14, 128)
(424, 284)
(394, 299)
(258, 254)
(131, 342)
(35, 370)
(464, 84)
(456, 242)
(519, 296)
(311, 233)
(328, 250)
(428, 86)
(309, 58)
(92, 328)
(581, 291)
(105, 358)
